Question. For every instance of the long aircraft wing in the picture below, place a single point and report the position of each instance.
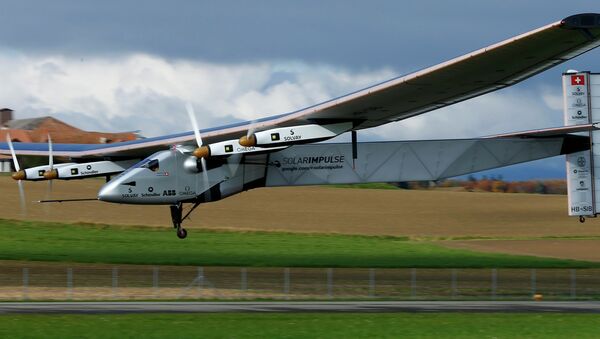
(548, 132)
(491, 68)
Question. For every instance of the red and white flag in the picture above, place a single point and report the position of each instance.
(577, 80)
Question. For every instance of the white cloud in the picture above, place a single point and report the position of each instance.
(148, 93)
(508, 110)
(553, 97)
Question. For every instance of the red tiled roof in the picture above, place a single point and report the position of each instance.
(15, 135)
(60, 133)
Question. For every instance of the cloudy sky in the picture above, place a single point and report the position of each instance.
(131, 65)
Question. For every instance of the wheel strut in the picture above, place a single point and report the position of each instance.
(176, 212)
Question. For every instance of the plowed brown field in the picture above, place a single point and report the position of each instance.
(324, 210)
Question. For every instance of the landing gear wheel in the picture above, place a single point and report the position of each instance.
(177, 218)
(181, 233)
(582, 219)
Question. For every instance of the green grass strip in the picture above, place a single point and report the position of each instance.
(304, 325)
(40, 241)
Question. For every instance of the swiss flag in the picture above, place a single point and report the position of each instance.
(577, 80)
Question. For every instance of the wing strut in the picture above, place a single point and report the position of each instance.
(354, 149)
(68, 200)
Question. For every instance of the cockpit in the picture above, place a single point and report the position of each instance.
(151, 164)
(138, 183)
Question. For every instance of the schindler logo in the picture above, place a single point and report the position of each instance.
(579, 115)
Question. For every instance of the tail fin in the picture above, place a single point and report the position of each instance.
(581, 93)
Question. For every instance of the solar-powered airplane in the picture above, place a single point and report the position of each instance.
(212, 164)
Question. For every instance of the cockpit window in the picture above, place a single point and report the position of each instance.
(140, 164)
(151, 165)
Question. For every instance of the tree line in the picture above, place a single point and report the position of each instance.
(492, 184)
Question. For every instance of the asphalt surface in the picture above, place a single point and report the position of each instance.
(364, 306)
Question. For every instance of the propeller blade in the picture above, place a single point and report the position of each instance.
(234, 162)
(51, 165)
(249, 139)
(18, 175)
(49, 190)
(192, 116)
(12, 152)
(48, 195)
(251, 129)
(51, 173)
(22, 198)
(50, 157)
(204, 172)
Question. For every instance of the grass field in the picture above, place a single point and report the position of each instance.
(41, 241)
(322, 325)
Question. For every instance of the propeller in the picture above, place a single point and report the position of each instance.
(50, 157)
(202, 151)
(251, 130)
(249, 139)
(51, 173)
(19, 175)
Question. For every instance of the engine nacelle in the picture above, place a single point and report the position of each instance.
(294, 135)
(226, 148)
(37, 173)
(89, 169)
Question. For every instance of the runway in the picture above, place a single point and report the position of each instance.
(282, 306)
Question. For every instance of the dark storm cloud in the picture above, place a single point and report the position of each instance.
(356, 34)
